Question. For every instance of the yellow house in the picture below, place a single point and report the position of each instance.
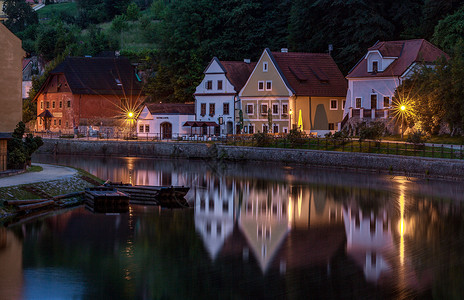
(293, 90)
(11, 55)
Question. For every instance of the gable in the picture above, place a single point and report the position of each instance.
(145, 114)
(214, 67)
(265, 71)
(219, 84)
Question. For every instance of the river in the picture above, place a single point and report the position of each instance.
(262, 231)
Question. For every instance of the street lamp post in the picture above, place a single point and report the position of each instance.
(291, 113)
(403, 108)
(130, 116)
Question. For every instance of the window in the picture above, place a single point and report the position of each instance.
(212, 109)
(275, 128)
(358, 102)
(285, 129)
(269, 85)
(260, 85)
(54, 122)
(265, 129)
(264, 109)
(53, 104)
(219, 85)
(251, 129)
(59, 122)
(147, 128)
(343, 104)
(265, 66)
(331, 126)
(275, 109)
(225, 109)
(40, 121)
(61, 104)
(284, 109)
(225, 207)
(245, 129)
(333, 104)
(67, 124)
(69, 103)
(41, 105)
(209, 85)
(141, 128)
(375, 66)
(48, 104)
(386, 101)
(373, 101)
(203, 109)
(250, 109)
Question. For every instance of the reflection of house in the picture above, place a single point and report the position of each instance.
(369, 237)
(214, 214)
(164, 120)
(11, 55)
(84, 91)
(373, 81)
(285, 88)
(216, 95)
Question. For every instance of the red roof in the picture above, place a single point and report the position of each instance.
(407, 53)
(311, 74)
(171, 108)
(238, 72)
(26, 61)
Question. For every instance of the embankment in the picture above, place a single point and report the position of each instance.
(410, 166)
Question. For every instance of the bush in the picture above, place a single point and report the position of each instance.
(262, 139)
(19, 151)
(373, 131)
(296, 138)
(417, 138)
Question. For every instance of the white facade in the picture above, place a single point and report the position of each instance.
(214, 98)
(162, 126)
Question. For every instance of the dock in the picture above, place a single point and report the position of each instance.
(106, 200)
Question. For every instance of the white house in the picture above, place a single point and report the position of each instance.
(165, 120)
(216, 95)
(374, 79)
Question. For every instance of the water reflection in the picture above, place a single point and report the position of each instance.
(11, 269)
(258, 231)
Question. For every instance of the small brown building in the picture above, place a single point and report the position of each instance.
(11, 56)
(88, 91)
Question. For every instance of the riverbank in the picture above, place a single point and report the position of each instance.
(52, 181)
(393, 164)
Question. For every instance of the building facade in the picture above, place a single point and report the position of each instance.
(293, 90)
(11, 56)
(83, 92)
(216, 95)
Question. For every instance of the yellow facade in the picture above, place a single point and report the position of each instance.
(317, 113)
(11, 55)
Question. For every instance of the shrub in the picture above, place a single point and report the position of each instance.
(417, 138)
(373, 131)
(262, 139)
(296, 138)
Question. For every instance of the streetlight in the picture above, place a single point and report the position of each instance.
(403, 108)
(130, 116)
(291, 113)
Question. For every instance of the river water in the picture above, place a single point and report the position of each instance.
(253, 231)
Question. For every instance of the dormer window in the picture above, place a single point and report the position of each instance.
(118, 82)
(375, 66)
(265, 66)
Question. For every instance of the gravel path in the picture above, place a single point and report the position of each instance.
(50, 172)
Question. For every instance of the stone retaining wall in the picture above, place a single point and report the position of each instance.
(410, 166)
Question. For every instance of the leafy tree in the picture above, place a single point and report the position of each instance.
(19, 151)
(119, 24)
(132, 12)
(20, 15)
(450, 30)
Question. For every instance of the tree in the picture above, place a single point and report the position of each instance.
(20, 15)
(132, 12)
(19, 151)
(450, 30)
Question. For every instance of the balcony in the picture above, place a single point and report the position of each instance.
(362, 113)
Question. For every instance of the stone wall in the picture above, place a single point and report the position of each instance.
(403, 165)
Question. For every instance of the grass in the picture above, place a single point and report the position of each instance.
(34, 168)
(51, 10)
(436, 139)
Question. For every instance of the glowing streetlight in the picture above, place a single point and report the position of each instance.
(403, 107)
(130, 114)
(291, 113)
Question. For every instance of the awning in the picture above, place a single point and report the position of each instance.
(200, 124)
(45, 114)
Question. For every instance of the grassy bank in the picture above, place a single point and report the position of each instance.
(75, 183)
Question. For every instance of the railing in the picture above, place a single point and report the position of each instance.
(282, 140)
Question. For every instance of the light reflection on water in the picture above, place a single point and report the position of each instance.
(262, 231)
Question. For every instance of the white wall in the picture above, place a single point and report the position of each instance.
(383, 87)
(176, 121)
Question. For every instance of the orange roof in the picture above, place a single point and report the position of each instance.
(311, 74)
(406, 52)
(237, 72)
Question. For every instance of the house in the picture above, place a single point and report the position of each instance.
(216, 95)
(374, 79)
(89, 91)
(165, 120)
(11, 56)
(293, 90)
(31, 66)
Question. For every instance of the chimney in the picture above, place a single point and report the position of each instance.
(284, 50)
(247, 60)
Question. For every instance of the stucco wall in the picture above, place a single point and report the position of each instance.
(11, 55)
(311, 158)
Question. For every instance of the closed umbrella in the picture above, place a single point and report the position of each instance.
(300, 120)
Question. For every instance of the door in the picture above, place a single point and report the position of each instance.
(230, 128)
(166, 130)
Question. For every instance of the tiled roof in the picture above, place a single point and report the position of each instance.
(171, 108)
(26, 61)
(238, 72)
(311, 74)
(99, 76)
(407, 51)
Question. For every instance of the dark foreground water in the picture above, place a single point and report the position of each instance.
(254, 231)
